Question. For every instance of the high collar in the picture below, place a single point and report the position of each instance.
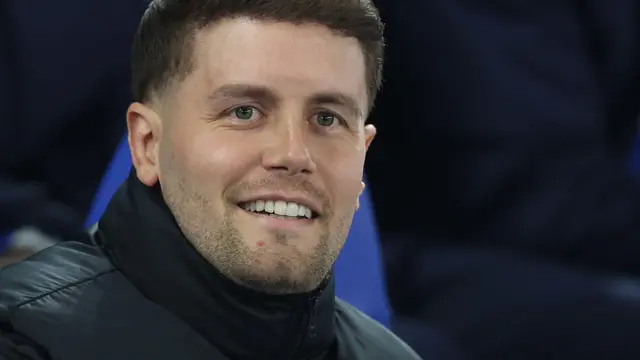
(146, 244)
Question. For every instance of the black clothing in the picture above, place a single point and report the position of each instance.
(144, 291)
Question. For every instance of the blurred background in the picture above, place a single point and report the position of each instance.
(502, 214)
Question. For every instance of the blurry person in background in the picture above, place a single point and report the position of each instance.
(64, 87)
(509, 216)
(522, 238)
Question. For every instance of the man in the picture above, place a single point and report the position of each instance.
(248, 139)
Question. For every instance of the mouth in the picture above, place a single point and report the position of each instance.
(279, 209)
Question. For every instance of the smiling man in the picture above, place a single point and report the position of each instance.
(248, 139)
(260, 149)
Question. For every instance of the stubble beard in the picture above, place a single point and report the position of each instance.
(266, 269)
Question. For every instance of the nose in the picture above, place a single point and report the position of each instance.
(289, 151)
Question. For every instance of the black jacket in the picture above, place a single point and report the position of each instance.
(143, 293)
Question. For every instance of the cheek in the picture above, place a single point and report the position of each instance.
(216, 159)
(349, 187)
(344, 176)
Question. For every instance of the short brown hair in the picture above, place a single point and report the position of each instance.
(163, 45)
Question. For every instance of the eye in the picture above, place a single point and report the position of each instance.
(244, 113)
(325, 119)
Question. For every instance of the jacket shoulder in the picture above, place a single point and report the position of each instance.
(59, 268)
(364, 338)
(66, 300)
(50, 270)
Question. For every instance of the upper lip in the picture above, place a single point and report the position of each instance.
(303, 200)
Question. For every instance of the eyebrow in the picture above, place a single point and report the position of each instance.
(268, 96)
(244, 91)
(339, 99)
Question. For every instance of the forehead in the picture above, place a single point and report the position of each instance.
(295, 60)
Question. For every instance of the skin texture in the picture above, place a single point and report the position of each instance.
(270, 109)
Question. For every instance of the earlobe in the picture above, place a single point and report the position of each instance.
(144, 128)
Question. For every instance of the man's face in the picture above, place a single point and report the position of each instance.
(260, 150)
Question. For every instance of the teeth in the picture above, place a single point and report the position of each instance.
(280, 208)
(268, 206)
(292, 210)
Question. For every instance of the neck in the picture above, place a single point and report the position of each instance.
(148, 247)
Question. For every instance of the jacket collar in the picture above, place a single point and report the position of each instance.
(146, 244)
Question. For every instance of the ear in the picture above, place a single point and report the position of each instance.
(145, 131)
(369, 134)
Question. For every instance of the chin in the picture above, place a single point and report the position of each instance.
(275, 269)
(279, 277)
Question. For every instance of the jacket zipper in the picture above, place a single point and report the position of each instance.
(312, 316)
(308, 325)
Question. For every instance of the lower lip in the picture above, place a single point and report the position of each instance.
(276, 223)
